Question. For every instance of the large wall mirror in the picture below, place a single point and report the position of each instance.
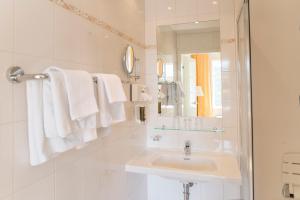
(189, 70)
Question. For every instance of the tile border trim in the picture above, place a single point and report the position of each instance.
(98, 22)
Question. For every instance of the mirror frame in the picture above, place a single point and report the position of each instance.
(129, 60)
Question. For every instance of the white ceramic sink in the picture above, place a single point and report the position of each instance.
(199, 167)
(185, 163)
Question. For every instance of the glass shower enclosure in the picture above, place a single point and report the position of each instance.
(245, 105)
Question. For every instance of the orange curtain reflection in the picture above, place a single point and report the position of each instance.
(203, 79)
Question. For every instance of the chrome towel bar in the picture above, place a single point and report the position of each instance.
(16, 74)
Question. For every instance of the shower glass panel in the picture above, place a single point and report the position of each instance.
(244, 90)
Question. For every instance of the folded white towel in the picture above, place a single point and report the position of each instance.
(62, 132)
(38, 149)
(73, 101)
(51, 129)
(80, 91)
(111, 98)
(56, 110)
(41, 148)
(113, 87)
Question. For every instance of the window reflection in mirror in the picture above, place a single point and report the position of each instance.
(189, 70)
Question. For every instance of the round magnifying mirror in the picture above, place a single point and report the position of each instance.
(129, 60)
(159, 68)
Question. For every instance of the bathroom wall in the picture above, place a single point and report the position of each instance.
(166, 12)
(276, 85)
(87, 35)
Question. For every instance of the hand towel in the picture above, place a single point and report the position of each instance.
(73, 101)
(113, 87)
(57, 121)
(56, 115)
(41, 148)
(111, 98)
(62, 131)
(79, 86)
(80, 90)
(38, 149)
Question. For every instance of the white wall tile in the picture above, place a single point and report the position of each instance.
(229, 99)
(6, 160)
(7, 25)
(150, 9)
(69, 182)
(24, 173)
(230, 114)
(230, 140)
(34, 27)
(228, 56)
(211, 191)
(43, 189)
(6, 98)
(90, 45)
(68, 34)
(165, 10)
(231, 191)
(229, 86)
(207, 7)
(188, 7)
(8, 198)
(227, 19)
(150, 30)
(166, 141)
(151, 57)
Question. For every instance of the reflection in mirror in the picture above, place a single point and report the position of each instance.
(189, 70)
(129, 60)
(159, 67)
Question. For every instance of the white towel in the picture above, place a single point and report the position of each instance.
(80, 91)
(38, 149)
(79, 87)
(56, 110)
(62, 132)
(50, 127)
(41, 148)
(113, 87)
(66, 99)
(111, 98)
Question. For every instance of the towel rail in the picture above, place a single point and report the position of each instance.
(16, 74)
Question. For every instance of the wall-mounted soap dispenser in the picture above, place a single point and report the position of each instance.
(141, 99)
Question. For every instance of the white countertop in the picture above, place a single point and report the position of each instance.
(224, 168)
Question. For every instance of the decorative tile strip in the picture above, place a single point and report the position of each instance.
(98, 22)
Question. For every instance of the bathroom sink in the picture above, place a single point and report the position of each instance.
(185, 163)
(199, 167)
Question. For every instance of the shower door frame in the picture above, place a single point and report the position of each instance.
(250, 164)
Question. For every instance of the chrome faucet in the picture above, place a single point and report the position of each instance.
(187, 148)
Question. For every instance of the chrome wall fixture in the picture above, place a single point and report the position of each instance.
(16, 74)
